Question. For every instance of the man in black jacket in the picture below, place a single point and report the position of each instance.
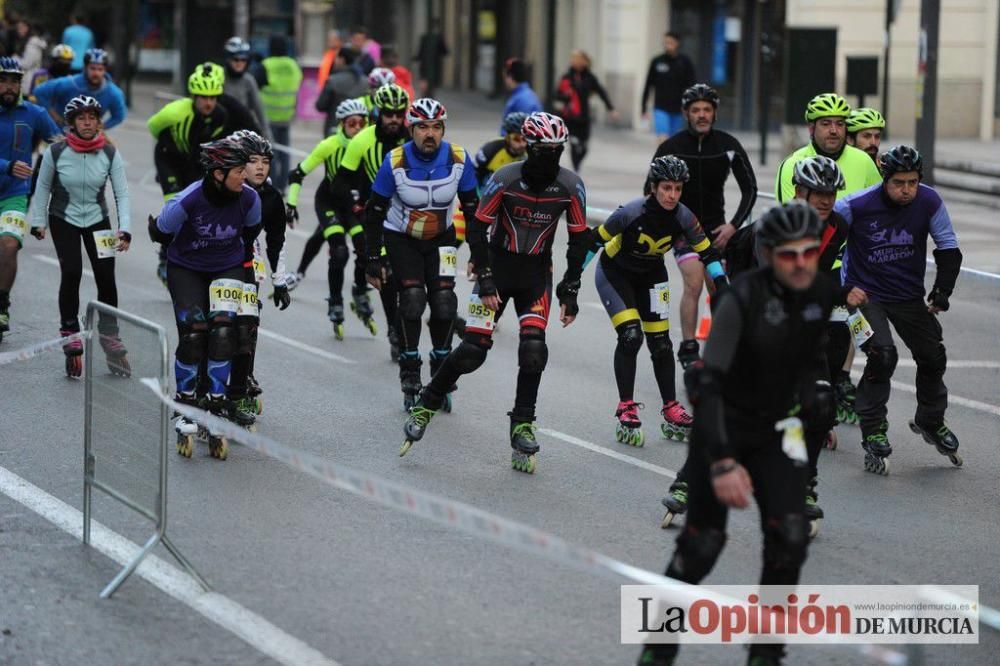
(670, 74)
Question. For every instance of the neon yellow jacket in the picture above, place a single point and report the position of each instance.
(858, 168)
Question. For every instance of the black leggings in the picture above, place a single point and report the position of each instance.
(66, 238)
(579, 136)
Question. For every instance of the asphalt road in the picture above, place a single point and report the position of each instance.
(362, 584)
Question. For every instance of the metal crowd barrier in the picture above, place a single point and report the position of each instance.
(125, 429)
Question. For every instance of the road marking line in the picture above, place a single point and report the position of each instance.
(303, 346)
(231, 616)
(55, 262)
(583, 444)
(952, 398)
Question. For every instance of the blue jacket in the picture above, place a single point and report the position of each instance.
(55, 94)
(522, 98)
(79, 38)
(20, 127)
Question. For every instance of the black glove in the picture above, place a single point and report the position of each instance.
(566, 292)
(282, 299)
(692, 380)
(487, 286)
(125, 236)
(291, 215)
(37, 232)
(688, 353)
(156, 235)
(375, 268)
(939, 299)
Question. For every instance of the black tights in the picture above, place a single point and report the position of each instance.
(66, 238)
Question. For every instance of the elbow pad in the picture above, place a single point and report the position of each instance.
(297, 176)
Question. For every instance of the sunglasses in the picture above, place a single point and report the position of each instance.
(393, 114)
(791, 254)
(356, 121)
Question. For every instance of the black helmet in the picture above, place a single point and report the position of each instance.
(900, 159)
(790, 222)
(819, 174)
(700, 92)
(79, 104)
(253, 143)
(223, 154)
(668, 167)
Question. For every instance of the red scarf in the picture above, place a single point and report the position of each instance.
(82, 145)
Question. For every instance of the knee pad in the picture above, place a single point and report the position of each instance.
(246, 334)
(660, 347)
(191, 346)
(881, 363)
(821, 412)
(532, 353)
(697, 551)
(785, 542)
(339, 254)
(933, 365)
(443, 304)
(469, 356)
(630, 338)
(222, 341)
(412, 301)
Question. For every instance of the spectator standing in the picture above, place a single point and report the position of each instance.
(359, 42)
(522, 97)
(346, 81)
(280, 95)
(390, 60)
(79, 38)
(573, 103)
(333, 45)
(430, 54)
(670, 74)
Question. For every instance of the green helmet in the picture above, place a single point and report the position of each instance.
(827, 105)
(391, 97)
(864, 118)
(207, 80)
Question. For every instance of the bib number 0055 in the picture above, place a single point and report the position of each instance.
(479, 316)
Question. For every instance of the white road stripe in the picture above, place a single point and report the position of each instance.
(303, 346)
(583, 444)
(55, 262)
(231, 616)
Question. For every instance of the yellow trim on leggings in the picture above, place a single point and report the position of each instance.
(631, 314)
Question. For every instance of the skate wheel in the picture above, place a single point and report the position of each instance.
(668, 518)
(185, 445)
(876, 465)
(372, 326)
(672, 433)
(405, 447)
(813, 528)
(338, 331)
(258, 406)
(252, 427)
(219, 448)
(447, 406)
(915, 429)
(523, 463)
(955, 459)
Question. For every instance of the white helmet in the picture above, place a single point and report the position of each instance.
(351, 107)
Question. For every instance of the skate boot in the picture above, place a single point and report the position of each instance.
(161, 270)
(658, 655)
(254, 391)
(361, 305)
(437, 358)
(185, 428)
(393, 344)
(116, 354)
(420, 417)
(941, 437)
(74, 352)
(409, 377)
(293, 280)
(877, 449)
(676, 422)
(844, 392)
(335, 313)
(243, 412)
(629, 428)
(218, 446)
(4, 317)
(522, 439)
(830, 442)
(676, 503)
(813, 512)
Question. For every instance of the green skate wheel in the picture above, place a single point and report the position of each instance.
(405, 447)
(185, 445)
(523, 463)
(372, 326)
(637, 438)
(258, 405)
(673, 433)
(338, 330)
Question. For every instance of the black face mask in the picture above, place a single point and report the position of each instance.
(541, 167)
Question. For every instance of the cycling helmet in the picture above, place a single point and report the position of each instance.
(206, 80)
(391, 97)
(62, 52)
(223, 154)
(513, 122)
(426, 110)
(95, 57)
(900, 159)
(79, 104)
(864, 118)
(253, 143)
(827, 105)
(237, 47)
(350, 107)
(542, 127)
(380, 76)
(790, 222)
(700, 92)
(668, 167)
(819, 174)
(10, 65)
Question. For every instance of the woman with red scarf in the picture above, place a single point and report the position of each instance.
(69, 200)
(573, 103)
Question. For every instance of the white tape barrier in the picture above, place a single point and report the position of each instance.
(30, 352)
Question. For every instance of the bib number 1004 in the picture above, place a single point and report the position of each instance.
(225, 295)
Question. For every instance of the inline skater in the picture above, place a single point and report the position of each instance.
(69, 200)
(241, 86)
(886, 257)
(759, 366)
(511, 239)
(826, 115)
(94, 82)
(207, 228)
(503, 150)
(22, 125)
(864, 130)
(632, 283)
(244, 391)
(410, 212)
(352, 186)
(182, 126)
(352, 117)
(378, 77)
(60, 61)
(711, 155)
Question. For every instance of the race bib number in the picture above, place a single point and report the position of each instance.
(860, 328)
(793, 442)
(447, 261)
(479, 316)
(839, 313)
(14, 223)
(259, 269)
(106, 243)
(248, 304)
(659, 299)
(225, 295)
